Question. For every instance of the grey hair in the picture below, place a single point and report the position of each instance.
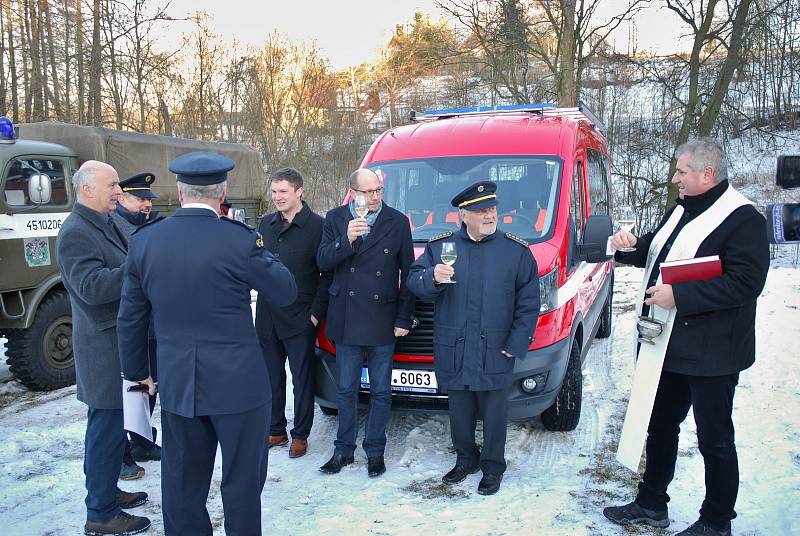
(193, 192)
(705, 152)
(83, 175)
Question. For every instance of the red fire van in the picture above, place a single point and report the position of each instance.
(551, 166)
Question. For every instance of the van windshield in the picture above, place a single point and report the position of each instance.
(527, 191)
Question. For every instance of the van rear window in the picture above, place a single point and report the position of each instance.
(527, 191)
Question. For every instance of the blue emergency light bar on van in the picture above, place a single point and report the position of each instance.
(545, 109)
(452, 112)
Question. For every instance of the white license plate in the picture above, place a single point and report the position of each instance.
(407, 380)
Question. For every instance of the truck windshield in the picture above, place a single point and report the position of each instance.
(527, 191)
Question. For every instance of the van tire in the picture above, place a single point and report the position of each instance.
(564, 414)
(41, 356)
(328, 411)
(606, 317)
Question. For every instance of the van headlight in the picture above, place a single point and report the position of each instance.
(548, 291)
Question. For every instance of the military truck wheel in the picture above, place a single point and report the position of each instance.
(564, 414)
(606, 318)
(328, 411)
(41, 356)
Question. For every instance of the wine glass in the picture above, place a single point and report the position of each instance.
(361, 208)
(626, 219)
(449, 256)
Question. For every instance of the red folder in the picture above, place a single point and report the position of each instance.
(699, 269)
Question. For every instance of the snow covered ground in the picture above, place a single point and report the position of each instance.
(556, 483)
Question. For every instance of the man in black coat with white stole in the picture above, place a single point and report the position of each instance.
(712, 336)
(368, 310)
(293, 234)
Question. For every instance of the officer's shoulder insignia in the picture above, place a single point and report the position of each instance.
(517, 239)
(148, 224)
(440, 236)
(259, 240)
(239, 223)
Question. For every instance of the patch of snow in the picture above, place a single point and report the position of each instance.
(556, 483)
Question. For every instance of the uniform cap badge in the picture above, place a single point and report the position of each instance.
(480, 188)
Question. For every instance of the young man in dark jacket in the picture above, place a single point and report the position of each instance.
(293, 234)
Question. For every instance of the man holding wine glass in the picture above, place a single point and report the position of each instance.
(368, 249)
(708, 336)
(483, 320)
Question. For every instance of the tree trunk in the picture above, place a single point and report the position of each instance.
(67, 66)
(36, 64)
(56, 94)
(95, 72)
(12, 66)
(566, 91)
(79, 52)
(24, 40)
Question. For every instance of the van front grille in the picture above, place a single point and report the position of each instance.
(419, 340)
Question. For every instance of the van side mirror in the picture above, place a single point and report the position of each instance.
(596, 232)
(39, 188)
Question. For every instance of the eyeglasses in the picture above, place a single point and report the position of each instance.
(376, 191)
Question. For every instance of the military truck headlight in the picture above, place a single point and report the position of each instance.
(548, 291)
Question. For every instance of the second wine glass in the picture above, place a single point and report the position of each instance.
(449, 256)
(626, 219)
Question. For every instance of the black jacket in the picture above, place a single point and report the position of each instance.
(296, 247)
(368, 293)
(493, 306)
(714, 330)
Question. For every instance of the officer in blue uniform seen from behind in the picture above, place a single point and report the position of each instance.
(213, 380)
(482, 322)
(369, 308)
(134, 209)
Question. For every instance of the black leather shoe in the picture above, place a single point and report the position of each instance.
(458, 474)
(633, 514)
(335, 464)
(130, 500)
(489, 484)
(375, 466)
(701, 528)
(144, 450)
(121, 525)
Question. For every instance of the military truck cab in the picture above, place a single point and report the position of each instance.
(551, 166)
(36, 196)
(35, 317)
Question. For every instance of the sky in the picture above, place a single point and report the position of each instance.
(350, 32)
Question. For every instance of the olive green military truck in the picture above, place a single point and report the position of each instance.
(36, 196)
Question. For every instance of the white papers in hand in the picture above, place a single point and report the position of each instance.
(136, 411)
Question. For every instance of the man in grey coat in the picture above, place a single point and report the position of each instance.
(91, 254)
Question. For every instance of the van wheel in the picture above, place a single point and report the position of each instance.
(328, 411)
(604, 331)
(564, 414)
(41, 356)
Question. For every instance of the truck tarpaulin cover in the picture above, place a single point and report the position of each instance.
(131, 153)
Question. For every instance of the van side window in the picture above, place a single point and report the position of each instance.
(598, 182)
(576, 207)
(18, 178)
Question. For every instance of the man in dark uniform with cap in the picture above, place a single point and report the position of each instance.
(213, 380)
(133, 210)
(482, 322)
